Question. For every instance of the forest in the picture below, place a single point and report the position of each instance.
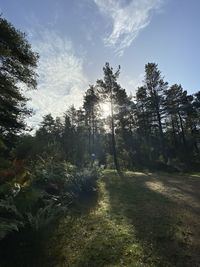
(122, 166)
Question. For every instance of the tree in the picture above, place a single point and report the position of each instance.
(196, 128)
(74, 136)
(155, 87)
(90, 105)
(196, 105)
(47, 125)
(48, 136)
(190, 107)
(110, 90)
(144, 123)
(175, 100)
(17, 67)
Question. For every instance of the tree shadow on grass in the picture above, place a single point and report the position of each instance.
(155, 218)
(142, 224)
(24, 249)
(185, 186)
(85, 238)
(29, 248)
(94, 240)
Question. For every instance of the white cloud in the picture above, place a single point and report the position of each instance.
(128, 19)
(61, 80)
(131, 83)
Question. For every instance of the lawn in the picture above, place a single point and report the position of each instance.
(140, 219)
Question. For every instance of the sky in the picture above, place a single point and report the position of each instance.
(75, 38)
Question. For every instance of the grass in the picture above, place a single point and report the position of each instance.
(135, 220)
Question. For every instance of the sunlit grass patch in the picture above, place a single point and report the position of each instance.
(196, 174)
(100, 238)
(134, 220)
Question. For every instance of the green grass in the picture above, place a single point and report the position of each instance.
(135, 220)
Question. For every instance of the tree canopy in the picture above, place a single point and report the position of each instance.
(17, 69)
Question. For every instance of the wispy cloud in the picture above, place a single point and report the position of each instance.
(128, 17)
(131, 83)
(61, 80)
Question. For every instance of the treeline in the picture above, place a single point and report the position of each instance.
(159, 128)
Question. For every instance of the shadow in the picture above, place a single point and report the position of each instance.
(147, 220)
(24, 249)
(159, 221)
(29, 248)
(88, 239)
(186, 185)
(93, 242)
(183, 190)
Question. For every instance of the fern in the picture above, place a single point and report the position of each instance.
(10, 218)
(44, 216)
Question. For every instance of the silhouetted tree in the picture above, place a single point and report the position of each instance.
(112, 93)
(17, 68)
(91, 107)
(155, 87)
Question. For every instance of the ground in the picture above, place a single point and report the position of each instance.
(138, 219)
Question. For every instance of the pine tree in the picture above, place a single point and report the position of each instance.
(91, 107)
(155, 87)
(112, 93)
(174, 106)
(17, 67)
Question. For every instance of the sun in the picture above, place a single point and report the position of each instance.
(105, 109)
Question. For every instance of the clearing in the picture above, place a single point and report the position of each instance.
(140, 219)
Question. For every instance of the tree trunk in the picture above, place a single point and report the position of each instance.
(93, 130)
(174, 132)
(114, 146)
(89, 137)
(194, 129)
(161, 134)
(182, 131)
(113, 139)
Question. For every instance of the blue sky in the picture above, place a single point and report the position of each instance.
(76, 37)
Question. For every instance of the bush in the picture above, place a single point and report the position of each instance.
(35, 200)
(61, 178)
(44, 216)
(10, 218)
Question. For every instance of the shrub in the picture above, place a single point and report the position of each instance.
(10, 219)
(44, 216)
(33, 199)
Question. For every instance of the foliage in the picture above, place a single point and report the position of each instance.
(44, 216)
(18, 62)
(156, 130)
(39, 199)
(10, 218)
